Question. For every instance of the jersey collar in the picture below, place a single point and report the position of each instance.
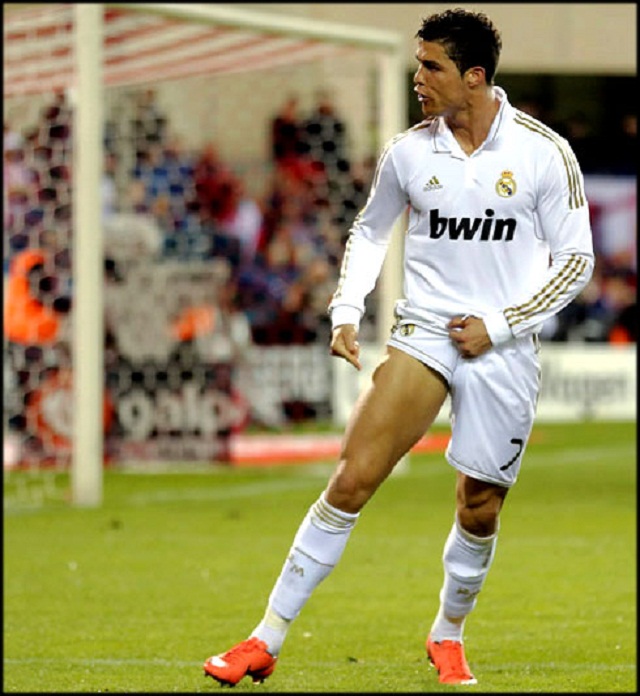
(444, 142)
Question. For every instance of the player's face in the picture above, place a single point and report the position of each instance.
(437, 81)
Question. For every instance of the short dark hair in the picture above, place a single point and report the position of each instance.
(469, 38)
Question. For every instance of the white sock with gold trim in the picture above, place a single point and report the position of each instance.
(316, 549)
(467, 559)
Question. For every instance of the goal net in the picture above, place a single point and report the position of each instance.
(152, 155)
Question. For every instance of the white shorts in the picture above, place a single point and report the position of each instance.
(493, 399)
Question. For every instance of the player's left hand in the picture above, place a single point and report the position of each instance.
(469, 335)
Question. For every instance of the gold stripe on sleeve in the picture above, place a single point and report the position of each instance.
(576, 191)
(568, 274)
(343, 268)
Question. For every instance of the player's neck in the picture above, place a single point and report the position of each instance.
(470, 126)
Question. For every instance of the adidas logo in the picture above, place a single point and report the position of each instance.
(432, 185)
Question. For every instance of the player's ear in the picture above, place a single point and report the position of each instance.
(474, 77)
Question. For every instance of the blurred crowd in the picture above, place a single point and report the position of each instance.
(283, 247)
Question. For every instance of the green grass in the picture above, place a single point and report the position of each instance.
(132, 597)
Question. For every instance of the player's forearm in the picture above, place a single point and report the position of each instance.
(361, 266)
(568, 274)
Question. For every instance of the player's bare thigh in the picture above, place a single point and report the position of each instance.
(390, 416)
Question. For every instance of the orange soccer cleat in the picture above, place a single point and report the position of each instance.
(448, 658)
(249, 658)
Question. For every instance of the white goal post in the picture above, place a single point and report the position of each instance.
(91, 70)
(88, 328)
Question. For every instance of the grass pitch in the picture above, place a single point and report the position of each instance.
(132, 597)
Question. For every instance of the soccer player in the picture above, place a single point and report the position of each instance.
(498, 241)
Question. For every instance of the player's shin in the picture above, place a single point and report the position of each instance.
(316, 549)
(466, 559)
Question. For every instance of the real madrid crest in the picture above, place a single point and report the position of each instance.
(506, 185)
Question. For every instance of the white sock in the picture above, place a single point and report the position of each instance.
(316, 549)
(467, 559)
(443, 629)
(272, 630)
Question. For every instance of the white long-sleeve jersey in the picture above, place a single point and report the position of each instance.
(502, 234)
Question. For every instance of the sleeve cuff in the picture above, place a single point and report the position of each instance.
(498, 329)
(345, 315)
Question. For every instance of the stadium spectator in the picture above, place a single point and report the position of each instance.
(299, 239)
(149, 124)
(214, 183)
(216, 243)
(591, 149)
(165, 189)
(324, 134)
(585, 319)
(324, 147)
(19, 184)
(613, 210)
(625, 324)
(214, 332)
(272, 295)
(166, 171)
(42, 202)
(135, 197)
(351, 188)
(287, 194)
(624, 146)
(286, 134)
(244, 222)
(36, 323)
(620, 299)
(331, 238)
(109, 189)
(216, 324)
(133, 236)
(35, 304)
(291, 146)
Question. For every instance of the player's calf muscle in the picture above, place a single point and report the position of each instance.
(479, 505)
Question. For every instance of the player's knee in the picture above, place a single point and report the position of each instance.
(349, 489)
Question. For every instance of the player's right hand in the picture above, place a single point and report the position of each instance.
(344, 344)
